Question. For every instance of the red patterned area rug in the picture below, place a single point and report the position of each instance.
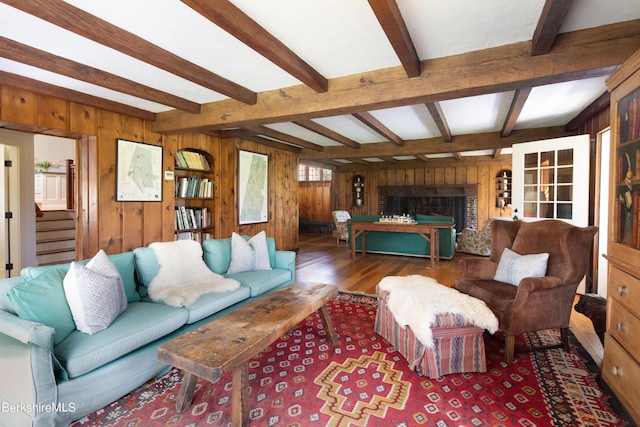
(302, 380)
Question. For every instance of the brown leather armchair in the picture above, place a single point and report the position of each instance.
(537, 303)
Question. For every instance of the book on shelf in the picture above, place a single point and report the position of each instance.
(191, 218)
(198, 236)
(193, 186)
(191, 160)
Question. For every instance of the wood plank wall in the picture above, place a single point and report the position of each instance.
(441, 172)
(122, 226)
(315, 201)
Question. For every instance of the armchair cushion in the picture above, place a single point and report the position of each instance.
(514, 267)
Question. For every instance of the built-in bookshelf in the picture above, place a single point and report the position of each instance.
(621, 362)
(194, 195)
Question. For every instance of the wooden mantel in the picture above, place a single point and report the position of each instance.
(428, 190)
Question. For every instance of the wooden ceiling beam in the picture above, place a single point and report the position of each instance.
(553, 15)
(375, 124)
(76, 20)
(19, 52)
(387, 159)
(517, 103)
(576, 55)
(230, 18)
(473, 142)
(439, 118)
(393, 24)
(328, 133)
(272, 143)
(272, 133)
(418, 163)
(20, 82)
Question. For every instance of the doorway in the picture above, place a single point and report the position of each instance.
(55, 222)
(10, 252)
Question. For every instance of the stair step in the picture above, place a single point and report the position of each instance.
(56, 237)
(65, 245)
(56, 257)
(47, 235)
(56, 215)
(64, 224)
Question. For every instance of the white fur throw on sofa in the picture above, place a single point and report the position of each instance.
(183, 275)
(416, 300)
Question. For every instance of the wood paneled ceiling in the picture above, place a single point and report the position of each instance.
(341, 82)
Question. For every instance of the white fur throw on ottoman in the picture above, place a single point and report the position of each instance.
(183, 275)
(416, 300)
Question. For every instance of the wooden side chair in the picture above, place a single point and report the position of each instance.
(340, 219)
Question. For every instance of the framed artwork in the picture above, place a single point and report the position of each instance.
(253, 177)
(138, 172)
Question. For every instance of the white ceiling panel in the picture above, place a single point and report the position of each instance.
(77, 85)
(177, 28)
(350, 127)
(556, 104)
(333, 36)
(302, 133)
(595, 13)
(445, 28)
(410, 122)
(484, 113)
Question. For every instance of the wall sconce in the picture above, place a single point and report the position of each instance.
(358, 190)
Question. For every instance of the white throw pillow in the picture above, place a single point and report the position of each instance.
(514, 267)
(95, 293)
(249, 255)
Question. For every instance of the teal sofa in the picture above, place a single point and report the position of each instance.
(406, 243)
(49, 379)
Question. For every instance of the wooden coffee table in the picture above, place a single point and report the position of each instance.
(227, 343)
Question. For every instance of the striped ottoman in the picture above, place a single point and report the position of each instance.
(458, 345)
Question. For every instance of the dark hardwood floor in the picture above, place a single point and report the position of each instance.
(321, 259)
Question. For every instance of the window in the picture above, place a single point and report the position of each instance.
(548, 184)
(309, 173)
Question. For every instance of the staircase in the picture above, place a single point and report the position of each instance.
(56, 237)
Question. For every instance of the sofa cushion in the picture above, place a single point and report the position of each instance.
(95, 293)
(147, 267)
(217, 253)
(140, 324)
(434, 218)
(42, 300)
(262, 281)
(213, 302)
(5, 287)
(123, 262)
(249, 255)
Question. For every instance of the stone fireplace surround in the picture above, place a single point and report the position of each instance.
(457, 201)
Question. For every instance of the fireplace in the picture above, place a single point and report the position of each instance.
(459, 202)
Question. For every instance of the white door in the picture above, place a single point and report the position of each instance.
(551, 179)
